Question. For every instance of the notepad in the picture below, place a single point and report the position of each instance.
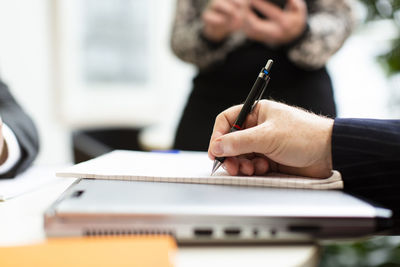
(33, 179)
(184, 167)
(94, 251)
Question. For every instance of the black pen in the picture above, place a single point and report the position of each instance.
(252, 99)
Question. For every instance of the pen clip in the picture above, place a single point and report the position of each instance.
(261, 94)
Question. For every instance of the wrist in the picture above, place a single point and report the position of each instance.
(3, 145)
(325, 158)
(3, 152)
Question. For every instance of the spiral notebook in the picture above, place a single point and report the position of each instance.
(184, 167)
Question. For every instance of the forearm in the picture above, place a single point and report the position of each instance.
(188, 42)
(22, 127)
(367, 154)
(329, 25)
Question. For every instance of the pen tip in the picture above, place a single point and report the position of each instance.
(216, 165)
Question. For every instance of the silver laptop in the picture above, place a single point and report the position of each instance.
(210, 213)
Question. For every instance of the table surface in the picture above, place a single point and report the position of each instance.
(22, 223)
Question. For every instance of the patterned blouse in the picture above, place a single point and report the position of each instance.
(330, 22)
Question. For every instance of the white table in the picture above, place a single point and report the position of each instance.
(21, 222)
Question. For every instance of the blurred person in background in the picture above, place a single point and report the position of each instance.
(231, 40)
(19, 143)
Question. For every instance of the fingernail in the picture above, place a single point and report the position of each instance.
(218, 149)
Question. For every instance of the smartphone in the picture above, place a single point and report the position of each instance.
(279, 3)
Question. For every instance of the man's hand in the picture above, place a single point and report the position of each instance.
(281, 26)
(223, 17)
(276, 138)
(3, 145)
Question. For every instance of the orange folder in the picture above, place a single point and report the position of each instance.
(157, 251)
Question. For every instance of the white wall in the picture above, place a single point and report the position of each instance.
(25, 67)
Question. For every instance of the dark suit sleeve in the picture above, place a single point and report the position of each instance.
(23, 128)
(367, 154)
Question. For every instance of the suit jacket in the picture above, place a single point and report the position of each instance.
(367, 154)
(22, 126)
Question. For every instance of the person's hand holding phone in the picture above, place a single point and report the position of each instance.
(280, 26)
(223, 17)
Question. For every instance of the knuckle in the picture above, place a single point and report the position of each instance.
(235, 143)
(220, 117)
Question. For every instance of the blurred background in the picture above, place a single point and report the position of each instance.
(100, 66)
(89, 70)
(93, 66)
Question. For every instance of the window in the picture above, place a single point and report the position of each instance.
(113, 65)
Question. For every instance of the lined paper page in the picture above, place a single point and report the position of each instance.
(183, 167)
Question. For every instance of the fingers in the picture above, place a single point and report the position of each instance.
(258, 165)
(281, 25)
(225, 9)
(296, 5)
(261, 166)
(223, 124)
(276, 137)
(223, 6)
(218, 12)
(261, 30)
(226, 119)
(221, 18)
(264, 30)
(213, 18)
(268, 9)
(246, 141)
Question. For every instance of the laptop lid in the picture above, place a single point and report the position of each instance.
(209, 213)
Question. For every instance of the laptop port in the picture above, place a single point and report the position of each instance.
(255, 232)
(304, 228)
(203, 232)
(232, 231)
(77, 193)
(273, 232)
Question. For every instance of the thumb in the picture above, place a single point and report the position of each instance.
(238, 143)
(295, 5)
